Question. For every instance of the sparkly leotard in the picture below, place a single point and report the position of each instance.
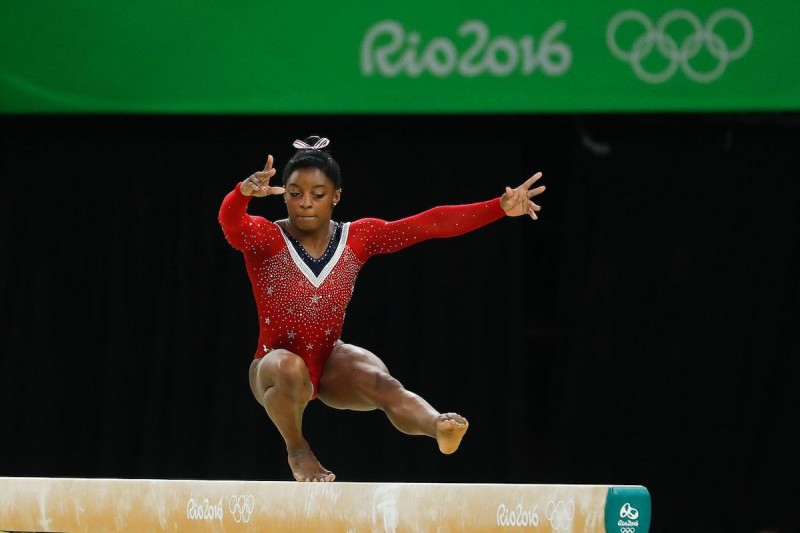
(301, 301)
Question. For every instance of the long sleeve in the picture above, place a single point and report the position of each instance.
(233, 217)
(371, 236)
(244, 232)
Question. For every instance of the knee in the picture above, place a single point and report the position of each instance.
(291, 375)
(292, 369)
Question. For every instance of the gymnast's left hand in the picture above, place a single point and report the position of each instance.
(516, 202)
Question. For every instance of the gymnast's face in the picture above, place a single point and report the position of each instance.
(310, 197)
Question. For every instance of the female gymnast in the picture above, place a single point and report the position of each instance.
(303, 270)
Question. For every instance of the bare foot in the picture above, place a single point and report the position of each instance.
(305, 467)
(450, 428)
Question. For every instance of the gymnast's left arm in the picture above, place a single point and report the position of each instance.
(374, 236)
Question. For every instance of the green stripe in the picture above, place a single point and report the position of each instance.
(404, 57)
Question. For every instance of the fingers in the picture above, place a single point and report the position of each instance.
(532, 208)
(260, 179)
(262, 188)
(537, 190)
(516, 202)
(530, 181)
(257, 183)
(264, 176)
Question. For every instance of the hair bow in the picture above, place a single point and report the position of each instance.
(321, 143)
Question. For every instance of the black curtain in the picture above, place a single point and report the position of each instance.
(643, 331)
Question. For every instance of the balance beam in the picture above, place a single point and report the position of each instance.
(147, 505)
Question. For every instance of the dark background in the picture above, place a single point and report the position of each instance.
(643, 331)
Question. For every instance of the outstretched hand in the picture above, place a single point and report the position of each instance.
(516, 202)
(257, 184)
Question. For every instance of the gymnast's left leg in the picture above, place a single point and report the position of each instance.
(356, 379)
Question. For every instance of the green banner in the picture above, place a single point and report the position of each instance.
(415, 56)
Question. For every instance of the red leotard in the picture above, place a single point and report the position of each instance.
(303, 312)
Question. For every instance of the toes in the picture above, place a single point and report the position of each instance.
(316, 478)
(454, 420)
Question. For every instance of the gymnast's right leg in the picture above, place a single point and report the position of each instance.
(281, 384)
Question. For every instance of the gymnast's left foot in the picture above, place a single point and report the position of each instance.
(450, 428)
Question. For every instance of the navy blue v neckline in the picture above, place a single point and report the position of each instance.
(316, 265)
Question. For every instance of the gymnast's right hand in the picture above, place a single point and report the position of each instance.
(257, 184)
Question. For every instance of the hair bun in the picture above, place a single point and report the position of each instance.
(312, 142)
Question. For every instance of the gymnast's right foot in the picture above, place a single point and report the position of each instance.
(305, 467)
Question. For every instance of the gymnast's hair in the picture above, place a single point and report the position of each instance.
(311, 153)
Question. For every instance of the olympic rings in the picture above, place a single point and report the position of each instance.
(679, 55)
(560, 514)
(241, 507)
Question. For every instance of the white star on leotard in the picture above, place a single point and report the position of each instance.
(291, 334)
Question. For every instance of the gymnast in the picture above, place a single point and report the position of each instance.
(303, 270)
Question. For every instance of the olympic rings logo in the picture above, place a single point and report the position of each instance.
(242, 507)
(679, 55)
(627, 530)
(560, 514)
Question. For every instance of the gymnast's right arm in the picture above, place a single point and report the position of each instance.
(236, 224)
(240, 229)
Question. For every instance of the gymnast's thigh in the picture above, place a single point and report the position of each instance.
(349, 375)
